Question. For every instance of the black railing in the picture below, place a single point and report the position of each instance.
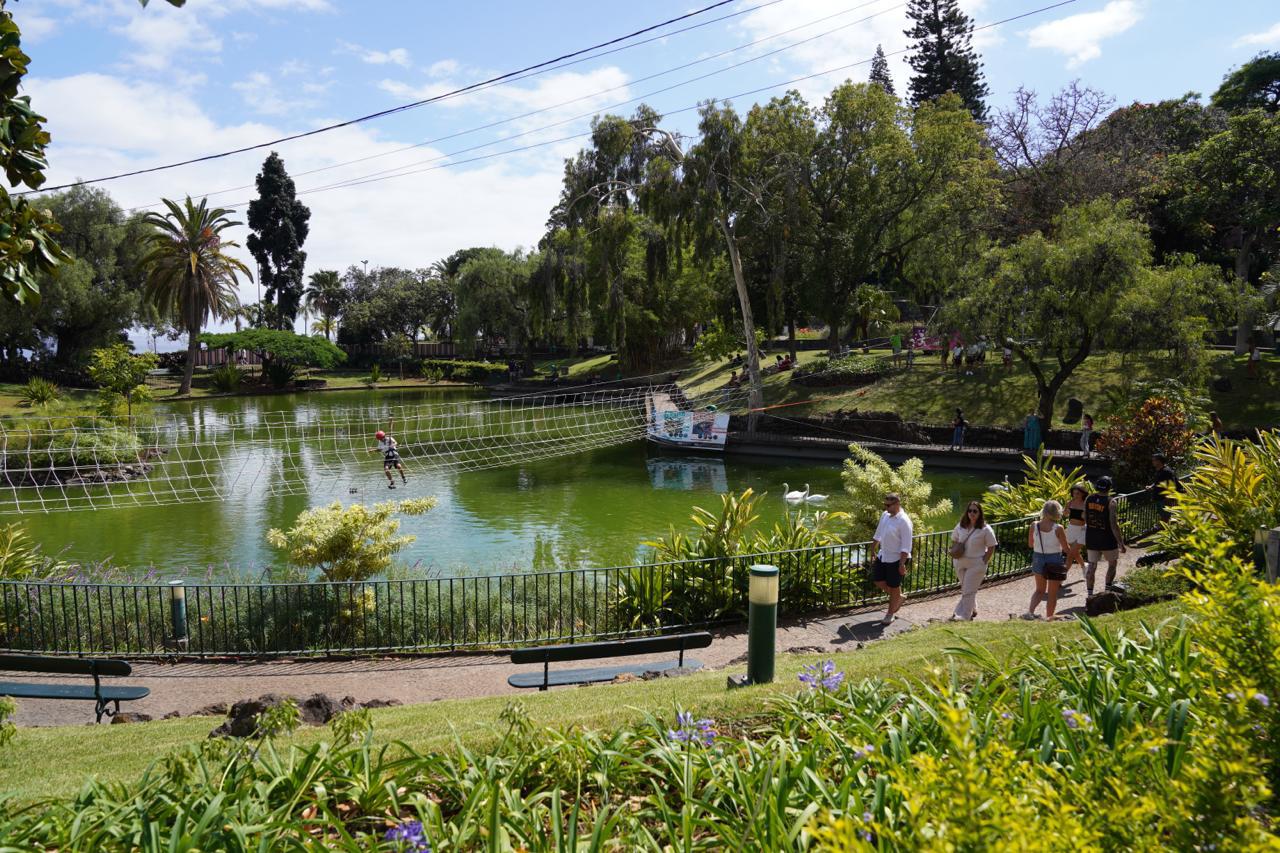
(439, 614)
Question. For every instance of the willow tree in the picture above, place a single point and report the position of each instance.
(189, 274)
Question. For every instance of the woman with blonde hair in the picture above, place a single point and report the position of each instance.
(1048, 543)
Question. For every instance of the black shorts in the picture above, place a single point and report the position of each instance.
(889, 573)
(390, 461)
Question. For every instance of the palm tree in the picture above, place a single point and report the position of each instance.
(189, 275)
(326, 296)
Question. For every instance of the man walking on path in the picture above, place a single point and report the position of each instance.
(1165, 479)
(892, 543)
(1102, 537)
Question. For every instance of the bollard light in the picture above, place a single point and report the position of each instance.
(178, 610)
(762, 623)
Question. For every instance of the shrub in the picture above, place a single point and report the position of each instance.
(228, 378)
(852, 369)
(375, 374)
(466, 371)
(7, 710)
(121, 374)
(39, 393)
(717, 342)
(868, 478)
(1158, 424)
(1155, 583)
(1041, 481)
(280, 373)
(351, 543)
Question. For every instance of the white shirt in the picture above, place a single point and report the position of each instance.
(1045, 543)
(894, 535)
(976, 542)
(386, 444)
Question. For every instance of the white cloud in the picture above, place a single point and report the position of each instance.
(262, 94)
(854, 42)
(105, 124)
(160, 36)
(34, 26)
(443, 68)
(394, 56)
(1266, 38)
(1080, 37)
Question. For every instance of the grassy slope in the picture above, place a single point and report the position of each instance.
(993, 396)
(55, 761)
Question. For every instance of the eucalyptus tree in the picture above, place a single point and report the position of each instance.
(190, 274)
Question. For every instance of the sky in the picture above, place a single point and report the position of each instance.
(126, 87)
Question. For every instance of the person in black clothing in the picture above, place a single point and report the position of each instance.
(957, 433)
(1102, 537)
(1165, 479)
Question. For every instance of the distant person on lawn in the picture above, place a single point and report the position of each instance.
(1031, 433)
(895, 343)
(979, 543)
(1086, 433)
(1255, 361)
(892, 543)
(1102, 536)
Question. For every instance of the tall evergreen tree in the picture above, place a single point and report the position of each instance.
(880, 71)
(279, 225)
(943, 56)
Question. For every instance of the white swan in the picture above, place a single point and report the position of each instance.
(997, 487)
(793, 497)
(812, 499)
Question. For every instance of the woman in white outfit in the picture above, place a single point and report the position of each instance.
(1048, 543)
(972, 544)
(1075, 525)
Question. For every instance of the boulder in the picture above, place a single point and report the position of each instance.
(1106, 601)
(319, 708)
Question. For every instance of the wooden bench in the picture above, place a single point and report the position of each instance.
(102, 697)
(547, 655)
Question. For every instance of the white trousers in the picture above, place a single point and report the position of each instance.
(970, 571)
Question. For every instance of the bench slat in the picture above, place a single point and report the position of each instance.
(22, 690)
(596, 674)
(63, 666)
(612, 648)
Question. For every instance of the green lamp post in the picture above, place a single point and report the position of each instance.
(178, 611)
(762, 623)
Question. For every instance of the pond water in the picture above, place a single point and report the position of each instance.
(593, 508)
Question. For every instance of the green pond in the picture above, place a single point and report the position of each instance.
(594, 507)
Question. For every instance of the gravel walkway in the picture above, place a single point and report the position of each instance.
(187, 687)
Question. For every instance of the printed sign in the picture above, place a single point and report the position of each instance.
(696, 429)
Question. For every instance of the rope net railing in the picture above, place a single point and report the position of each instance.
(83, 463)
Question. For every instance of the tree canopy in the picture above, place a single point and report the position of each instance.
(1254, 85)
(280, 224)
(279, 345)
(943, 57)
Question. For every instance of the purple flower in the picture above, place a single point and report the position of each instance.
(824, 675)
(1262, 699)
(864, 752)
(691, 730)
(1005, 715)
(1073, 718)
(409, 836)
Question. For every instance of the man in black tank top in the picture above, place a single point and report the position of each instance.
(1102, 537)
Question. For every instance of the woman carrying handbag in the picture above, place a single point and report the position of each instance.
(1048, 543)
(972, 544)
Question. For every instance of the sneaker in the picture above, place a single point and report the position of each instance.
(1029, 616)
(888, 619)
(391, 485)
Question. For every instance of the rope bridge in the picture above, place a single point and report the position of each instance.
(56, 464)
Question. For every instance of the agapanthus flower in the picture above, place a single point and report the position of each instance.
(692, 731)
(1262, 699)
(409, 836)
(1073, 718)
(824, 675)
(864, 752)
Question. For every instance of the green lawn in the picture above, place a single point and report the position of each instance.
(928, 394)
(44, 762)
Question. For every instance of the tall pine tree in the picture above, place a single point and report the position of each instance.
(880, 71)
(279, 225)
(943, 56)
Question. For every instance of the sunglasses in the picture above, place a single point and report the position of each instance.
(973, 510)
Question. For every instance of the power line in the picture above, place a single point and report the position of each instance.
(572, 119)
(588, 96)
(756, 91)
(402, 107)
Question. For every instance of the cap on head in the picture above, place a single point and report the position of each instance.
(1104, 484)
(379, 435)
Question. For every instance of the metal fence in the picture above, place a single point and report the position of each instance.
(437, 614)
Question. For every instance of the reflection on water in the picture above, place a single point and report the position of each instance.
(593, 508)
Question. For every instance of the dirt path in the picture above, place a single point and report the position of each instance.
(187, 687)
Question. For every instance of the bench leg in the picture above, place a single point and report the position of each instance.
(103, 709)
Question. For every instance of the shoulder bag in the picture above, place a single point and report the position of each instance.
(957, 547)
(1053, 571)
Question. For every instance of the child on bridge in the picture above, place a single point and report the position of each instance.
(390, 455)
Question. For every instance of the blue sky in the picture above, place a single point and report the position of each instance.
(126, 87)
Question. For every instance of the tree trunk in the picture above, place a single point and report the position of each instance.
(193, 347)
(791, 338)
(756, 398)
(833, 334)
(1244, 329)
